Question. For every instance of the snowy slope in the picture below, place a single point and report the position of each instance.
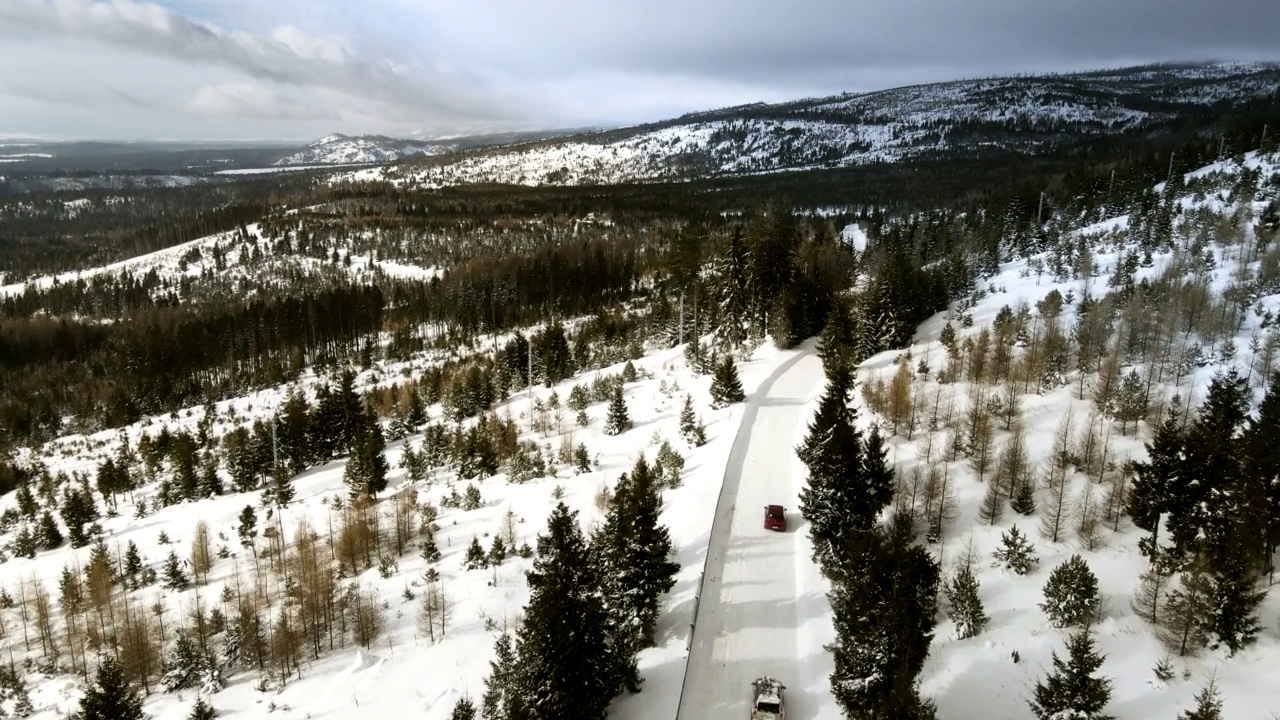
(1018, 114)
(339, 149)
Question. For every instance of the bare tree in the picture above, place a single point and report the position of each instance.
(201, 553)
(1057, 503)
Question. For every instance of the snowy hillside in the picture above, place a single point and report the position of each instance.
(937, 120)
(1216, 251)
(358, 150)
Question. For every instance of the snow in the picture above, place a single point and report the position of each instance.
(758, 599)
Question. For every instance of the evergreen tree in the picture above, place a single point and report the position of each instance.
(883, 610)
(366, 470)
(690, 428)
(618, 421)
(132, 565)
(1234, 604)
(1208, 704)
(1260, 533)
(202, 710)
(1016, 553)
(1071, 595)
(247, 528)
(563, 642)
(416, 416)
(635, 552)
(966, 605)
(503, 694)
(463, 710)
(1024, 497)
(476, 558)
(1071, 690)
(174, 577)
(1187, 610)
(110, 697)
(49, 536)
(78, 510)
(726, 388)
(1150, 493)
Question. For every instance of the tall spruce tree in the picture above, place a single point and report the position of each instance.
(635, 551)
(726, 388)
(883, 610)
(1071, 690)
(563, 643)
(504, 695)
(618, 420)
(110, 697)
(1208, 704)
(1071, 594)
(966, 609)
(1261, 473)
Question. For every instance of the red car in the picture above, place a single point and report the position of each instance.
(775, 518)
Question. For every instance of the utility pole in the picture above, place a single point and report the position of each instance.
(680, 338)
(1171, 153)
(1222, 142)
(529, 392)
(1263, 141)
(1040, 210)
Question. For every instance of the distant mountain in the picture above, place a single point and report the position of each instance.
(338, 149)
(1027, 114)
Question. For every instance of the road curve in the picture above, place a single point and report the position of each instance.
(747, 617)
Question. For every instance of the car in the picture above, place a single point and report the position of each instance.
(775, 518)
(766, 699)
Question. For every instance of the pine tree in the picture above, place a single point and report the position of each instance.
(1262, 473)
(563, 642)
(247, 529)
(1187, 610)
(110, 697)
(1024, 497)
(504, 696)
(49, 536)
(966, 605)
(1071, 594)
(475, 558)
(726, 388)
(883, 610)
(1071, 690)
(1208, 704)
(691, 428)
(202, 710)
(463, 710)
(618, 421)
(636, 553)
(1016, 553)
(174, 577)
(366, 470)
(1234, 616)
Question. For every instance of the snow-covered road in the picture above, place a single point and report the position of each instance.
(750, 610)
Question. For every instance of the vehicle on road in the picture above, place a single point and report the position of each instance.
(766, 704)
(775, 518)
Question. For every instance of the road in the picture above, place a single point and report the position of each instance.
(748, 614)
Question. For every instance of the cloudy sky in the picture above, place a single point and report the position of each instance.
(297, 69)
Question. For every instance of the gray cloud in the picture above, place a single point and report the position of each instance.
(298, 67)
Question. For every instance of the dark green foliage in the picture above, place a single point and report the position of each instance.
(563, 647)
(110, 697)
(635, 554)
(883, 610)
(366, 470)
(476, 558)
(1234, 616)
(1072, 690)
(1016, 553)
(1208, 704)
(78, 510)
(1071, 594)
(14, 690)
(965, 604)
(202, 710)
(1024, 497)
(247, 528)
(186, 664)
(49, 535)
(503, 690)
(618, 421)
(691, 428)
(464, 709)
(726, 388)
(553, 357)
(174, 576)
